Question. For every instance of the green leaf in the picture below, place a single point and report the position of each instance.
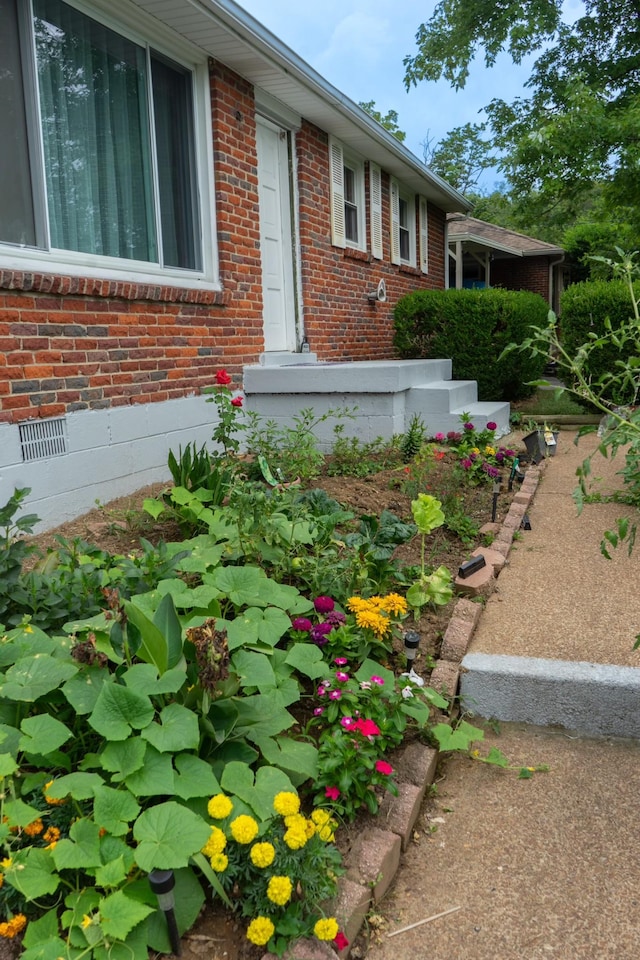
(240, 584)
(153, 507)
(79, 785)
(122, 758)
(19, 814)
(167, 835)
(459, 739)
(49, 950)
(118, 710)
(194, 778)
(112, 874)
(427, 513)
(258, 792)
(114, 810)
(166, 620)
(119, 914)
(41, 931)
(82, 691)
(253, 669)
(143, 678)
(33, 677)
(82, 850)
(178, 730)
(257, 626)
(43, 734)
(7, 765)
(154, 778)
(299, 759)
(133, 948)
(154, 647)
(307, 659)
(185, 597)
(369, 668)
(262, 714)
(32, 873)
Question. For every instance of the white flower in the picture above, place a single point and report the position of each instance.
(407, 692)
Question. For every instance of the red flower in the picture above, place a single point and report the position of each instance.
(223, 378)
(236, 402)
(439, 454)
(340, 940)
(332, 793)
(383, 767)
(367, 728)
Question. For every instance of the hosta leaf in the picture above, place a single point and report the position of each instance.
(119, 710)
(154, 778)
(143, 678)
(32, 873)
(194, 777)
(119, 914)
(82, 691)
(43, 734)
(168, 835)
(114, 810)
(123, 757)
(178, 730)
(35, 676)
(82, 850)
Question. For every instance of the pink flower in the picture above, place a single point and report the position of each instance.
(341, 677)
(492, 426)
(347, 722)
(367, 728)
(466, 464)
(332, 793)
(223, 378)
(301, 624)
(383, 767)
(324, 604)
(468, 426)
(340, 940)
(340, 661)
(376, 679)
(236, 402)
(321, 691)
(318, 711)
(335, 695)
(439, 437)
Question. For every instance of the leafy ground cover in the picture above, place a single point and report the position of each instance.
(223, 654)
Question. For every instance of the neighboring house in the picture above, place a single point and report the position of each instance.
(483, 255)
(182, 193)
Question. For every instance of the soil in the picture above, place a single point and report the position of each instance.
(118, 526)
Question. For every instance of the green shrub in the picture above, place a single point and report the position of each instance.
(585, 308)
(471, 327)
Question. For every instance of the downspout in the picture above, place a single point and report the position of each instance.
(552, 264)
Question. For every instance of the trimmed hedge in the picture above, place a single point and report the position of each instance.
(472, 327)
(584, 309)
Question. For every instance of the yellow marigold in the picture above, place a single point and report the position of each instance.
(51, 834)
(52, 801)
(375, 602)
(326, 834)
(310, 828)
(367, 618)
(35, 828)
(286, 803)
(216, 842)
(475, 450)
(219, 862)
(294, 820)
(326, 929)
(14, 926)
(1, 880)
(279, 890)
(219, 807)
(260, 931)
(244, 829)
(262, 854)
(357, 603)
(295, 838)
(394, 603)
(320, 816)
(490, 451)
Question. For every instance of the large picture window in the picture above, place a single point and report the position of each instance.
(102, 144)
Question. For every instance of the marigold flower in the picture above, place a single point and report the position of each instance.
(219, 862)
(320, 816)
(34, 829)
(262, 854)
(279, 890)
(383, 767)
(394, 603)
(326, 834)
(51, 833)
(219, 806)
(326, 929)
(356, 603)
(490, 451)
(244, 829)
(216, 842)
(222, 377)
(285, 803)
(260, 931)
(295, 837)
(1, 880)
(294, 820)
(13, 927)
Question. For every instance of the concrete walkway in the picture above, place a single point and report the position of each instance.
(547, 867)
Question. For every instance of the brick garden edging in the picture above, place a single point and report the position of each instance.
(375, 856)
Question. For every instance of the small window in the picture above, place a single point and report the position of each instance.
(403, 225)
(347, 198)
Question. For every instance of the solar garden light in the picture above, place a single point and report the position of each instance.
(411, 644)
(496, 493)
(162, 882)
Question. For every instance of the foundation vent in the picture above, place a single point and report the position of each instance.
(41, 439)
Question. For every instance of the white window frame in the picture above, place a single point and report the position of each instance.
(399, 192)
(339, 159)
(423, 233)
(138, 27)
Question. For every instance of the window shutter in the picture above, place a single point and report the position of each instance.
(424, 235)
(336, 164)
(395, 222)
(375, 196)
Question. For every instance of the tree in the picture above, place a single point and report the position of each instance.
(461, 156)
(389, 121)
(580, 126)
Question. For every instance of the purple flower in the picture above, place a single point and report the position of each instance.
(319, 633)
(509, 453)
(490, 471)
(473, 456)
(499, 456)
(318, 711)
(453, 436)
(492, 426)
(336, 618)
(335, 695)
(341, 677)
(439, 437)
(324, 604)
(376, 679)
(469, 426)
(466, 464)
(301, 624)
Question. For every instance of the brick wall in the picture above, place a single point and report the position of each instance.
(522, 273)
(340, 323)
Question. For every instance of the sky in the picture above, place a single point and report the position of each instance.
(359, 46)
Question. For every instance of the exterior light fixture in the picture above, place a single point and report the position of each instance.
(163, 882)
(411, 644)
(494, 505)
(471, 566)
(526, 523)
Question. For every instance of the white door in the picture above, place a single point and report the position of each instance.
(275, 237)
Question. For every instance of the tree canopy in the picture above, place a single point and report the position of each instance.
(580, 125)
(389, 121)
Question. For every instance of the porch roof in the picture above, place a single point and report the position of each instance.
(478, 235)
(232, 36)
